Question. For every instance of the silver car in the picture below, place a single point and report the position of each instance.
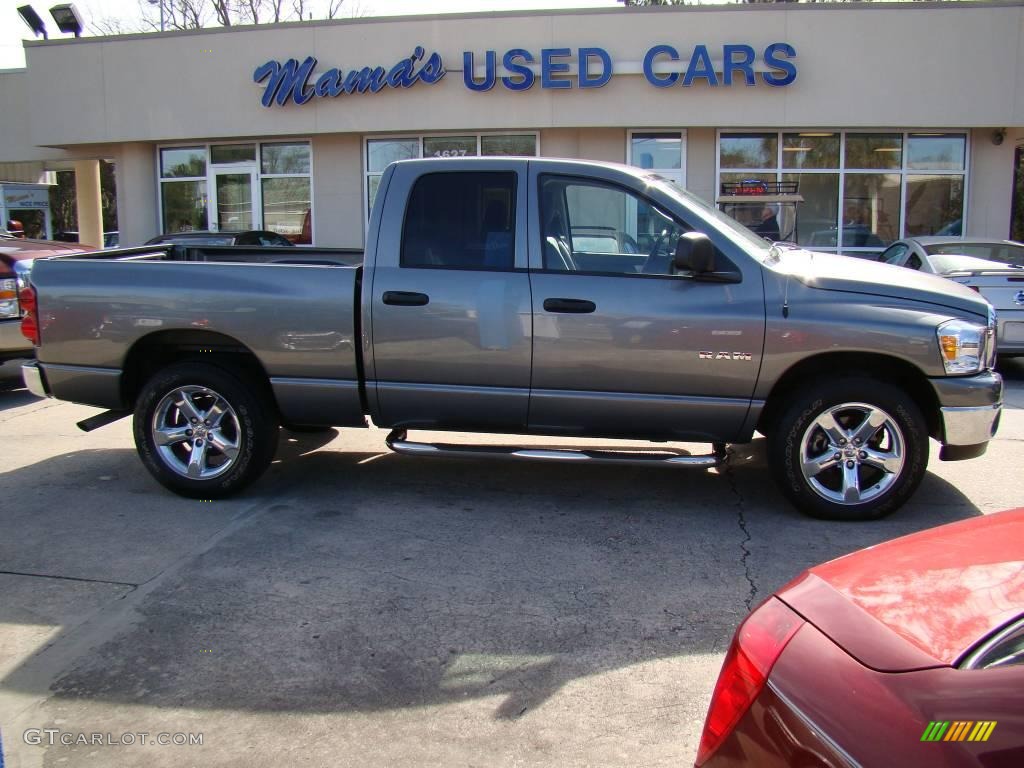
(994, 268)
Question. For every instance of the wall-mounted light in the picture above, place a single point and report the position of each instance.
(998, 136)
(67, 18)
(30, 17)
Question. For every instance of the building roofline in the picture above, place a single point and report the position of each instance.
(781, 7)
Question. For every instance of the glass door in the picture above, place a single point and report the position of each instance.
(235, 204)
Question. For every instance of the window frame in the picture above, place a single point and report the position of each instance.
(256, 165)
(842, 171)
(419, 138)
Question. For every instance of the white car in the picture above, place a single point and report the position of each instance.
(994, 268)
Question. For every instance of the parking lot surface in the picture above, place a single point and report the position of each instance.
(360, 608)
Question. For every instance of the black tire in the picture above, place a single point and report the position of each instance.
(869, 480)
(240, 437)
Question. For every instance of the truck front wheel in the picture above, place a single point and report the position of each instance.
(201, 432)
(851, 448)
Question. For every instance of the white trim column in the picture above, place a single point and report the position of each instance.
(89, 202)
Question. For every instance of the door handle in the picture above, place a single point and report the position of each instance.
(406, 299)
(570, 306)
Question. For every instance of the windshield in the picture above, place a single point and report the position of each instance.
(1005, 253)
(728, 226)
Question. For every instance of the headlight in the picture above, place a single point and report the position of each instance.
(962, 346)
(8, 298)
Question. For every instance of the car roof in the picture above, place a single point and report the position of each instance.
(941, 590)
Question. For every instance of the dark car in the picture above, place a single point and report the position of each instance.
(907, 653)
(204, 237)
(110, 239)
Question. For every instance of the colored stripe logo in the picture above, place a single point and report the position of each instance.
(958, 730)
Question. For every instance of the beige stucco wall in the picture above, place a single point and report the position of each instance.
(991, 182)
(338, 191)
(959, 65)
(137, 205)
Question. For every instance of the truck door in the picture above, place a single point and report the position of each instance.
(451, 325)
(623, 347)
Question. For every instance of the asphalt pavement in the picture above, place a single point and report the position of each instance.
(360, 608)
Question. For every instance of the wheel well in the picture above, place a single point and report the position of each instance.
(162, 348)
(891, 369)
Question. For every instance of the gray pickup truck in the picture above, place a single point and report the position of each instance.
(528, 296)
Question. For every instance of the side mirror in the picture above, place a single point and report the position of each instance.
(694, 253)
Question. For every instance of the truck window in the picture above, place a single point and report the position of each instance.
(590, 226)
(461, 220)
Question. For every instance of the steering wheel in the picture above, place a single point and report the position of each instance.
(653, 265)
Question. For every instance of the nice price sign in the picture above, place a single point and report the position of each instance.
(519, 69)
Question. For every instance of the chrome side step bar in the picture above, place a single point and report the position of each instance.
(398, 443)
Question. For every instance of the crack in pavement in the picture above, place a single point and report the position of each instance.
(69, 578)
(741, 520)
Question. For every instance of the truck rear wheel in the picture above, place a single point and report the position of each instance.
(852, 448)
(201, 432)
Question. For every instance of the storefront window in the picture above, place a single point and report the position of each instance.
(285, 158)
(935, 205)
(233, 153)
(268, 186)
(749, 150)
(449, 146)
(860, 190)
(183, 161)
(286, 208)
(381, 152)
(874, 150)
(184, 205)
(524, 145)
(1017, 214)
(661, 152)
(810, 150)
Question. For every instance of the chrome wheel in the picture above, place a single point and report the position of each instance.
(196, 432)
(852, 453)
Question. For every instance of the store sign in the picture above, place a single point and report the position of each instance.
(555, 68)
(27, 199)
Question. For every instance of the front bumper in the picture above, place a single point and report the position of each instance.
(969, 408)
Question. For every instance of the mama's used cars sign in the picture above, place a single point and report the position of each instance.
(663, 67)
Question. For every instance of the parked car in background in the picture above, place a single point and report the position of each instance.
(205, 237)
(16, 255)
(908, 653)
(994, 268)
(110, 239)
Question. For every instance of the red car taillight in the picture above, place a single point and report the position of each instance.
(756, 646)
(30, 316)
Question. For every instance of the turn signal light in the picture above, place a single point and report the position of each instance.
(755, 648)
(30, 316)
(950, 346)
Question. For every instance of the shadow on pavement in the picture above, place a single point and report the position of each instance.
(378, 582)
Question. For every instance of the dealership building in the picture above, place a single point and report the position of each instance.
(887, 120)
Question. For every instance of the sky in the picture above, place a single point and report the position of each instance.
(130, 13)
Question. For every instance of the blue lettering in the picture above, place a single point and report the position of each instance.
(744, 65)
(700, 66)
(286, 81)
(402, 75)
(585, 80)
(549, 67)
(365, 79)
(660, 81)
(788, 68)
(433, 70)
(526, 76)
(328, 84)
(467, 71)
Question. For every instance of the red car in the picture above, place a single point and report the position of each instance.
(909, 653)
(16, 254)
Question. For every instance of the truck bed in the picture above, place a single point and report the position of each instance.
(294, 310)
